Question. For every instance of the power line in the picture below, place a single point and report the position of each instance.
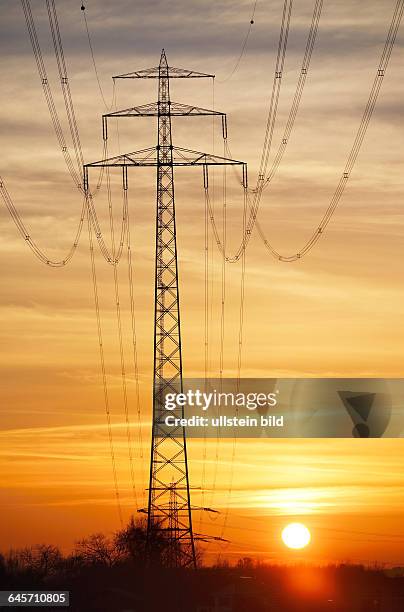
(75, 174)
(311, 39)
(119, 325)
(222, 307)
(270, 125)
(355, 149)
(276, 87)
(102, 364)
(223, 274)
(352, 157)
(134, 342)
(304, 71)
(113, 257)
(115, 260)
(107, 107)
(239, 363)
(64, 82)
(243, 46)
(209, 299)
(38, 252)
(206, 339)
(87, 207)
(349, 165)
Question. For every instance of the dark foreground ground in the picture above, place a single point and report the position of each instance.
(109, 575)
(126, 588)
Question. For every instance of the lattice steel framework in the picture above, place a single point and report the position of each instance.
(169, 506)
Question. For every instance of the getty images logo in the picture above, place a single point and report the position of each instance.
(204, 401)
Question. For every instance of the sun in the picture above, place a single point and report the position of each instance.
(296, 535)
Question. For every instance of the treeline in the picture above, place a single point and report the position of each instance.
(109, 574)
(35, 565)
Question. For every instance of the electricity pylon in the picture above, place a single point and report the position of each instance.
(169, 506)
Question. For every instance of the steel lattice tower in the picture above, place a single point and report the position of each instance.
(169, 506)
(168, 453)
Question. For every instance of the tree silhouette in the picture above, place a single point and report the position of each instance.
(110, 574)
(97, 549)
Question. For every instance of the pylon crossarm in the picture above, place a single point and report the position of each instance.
(154, 109)
(172, 73)
(181, 157)
(188, 157)
(175, 109)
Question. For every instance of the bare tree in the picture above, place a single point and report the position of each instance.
(131, 541)
(41, 560)
(97, 549)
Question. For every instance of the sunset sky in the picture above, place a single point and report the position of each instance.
(337, 312)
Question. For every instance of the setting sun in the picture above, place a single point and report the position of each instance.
(296, 535)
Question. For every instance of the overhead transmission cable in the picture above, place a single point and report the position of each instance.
(284, 31)
(38, 252)
(243, 46)
(103, 371)
(270, 125)
(133, 321)
(64, 81)
(276, 87)
(349, 165)
(67, 96)
(125, 227)
(206, 342)
(97, 76)
(272, 114)
(134, 345)
(355, 149)
(222, 307)
(208, 301)
(311, 39)
(119, 321)
(116, 256)
(73, 127)
(239, 365)
(76, 174)
(212, 252)
(88, 205)
(360, 134)
(223, 274)
(65, 86)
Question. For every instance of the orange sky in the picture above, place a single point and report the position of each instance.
(338, 312)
